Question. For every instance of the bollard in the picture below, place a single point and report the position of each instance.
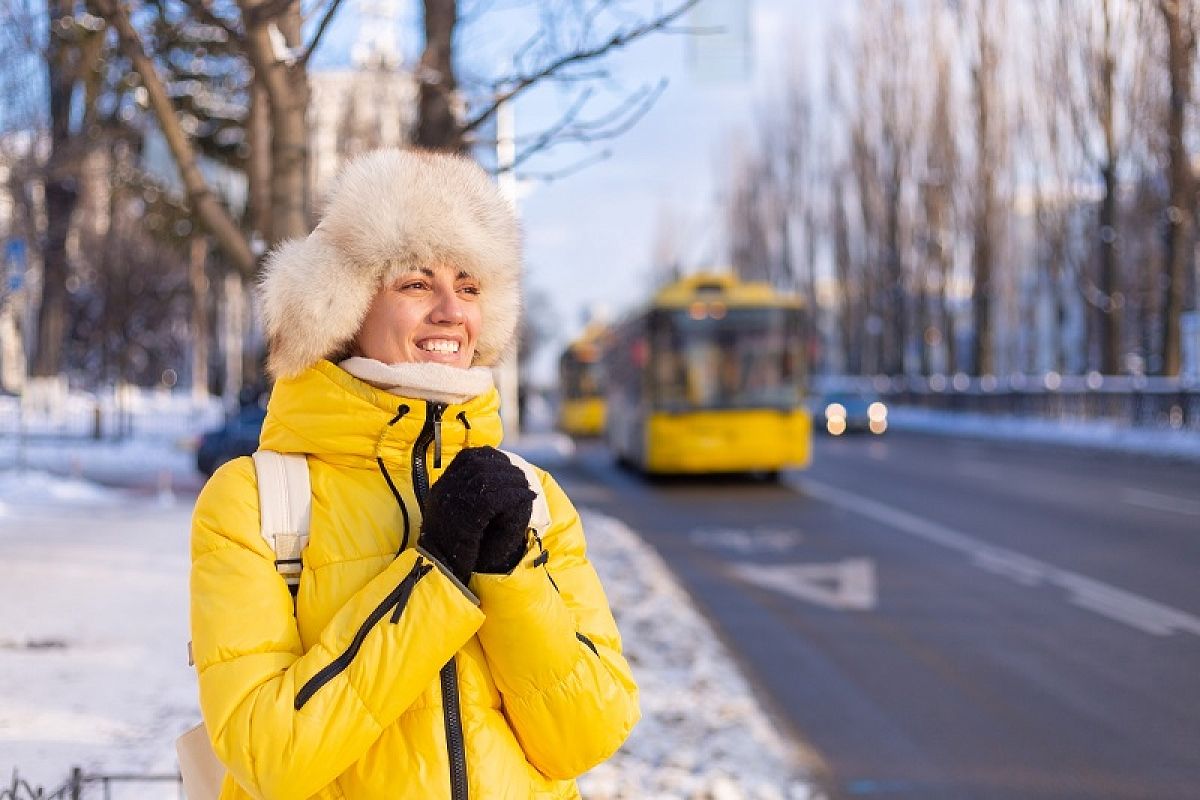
(166, 492)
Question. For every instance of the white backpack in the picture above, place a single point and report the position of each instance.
(285, 511)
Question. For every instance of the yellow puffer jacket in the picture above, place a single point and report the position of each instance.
(389, 679)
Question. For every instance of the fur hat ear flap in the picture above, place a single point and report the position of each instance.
(312, 303)
(387, 212)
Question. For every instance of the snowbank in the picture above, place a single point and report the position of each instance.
(1089, 434)
(702, 734)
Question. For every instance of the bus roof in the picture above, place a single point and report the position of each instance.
(724, 287)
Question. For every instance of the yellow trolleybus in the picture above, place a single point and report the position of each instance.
(710, 377)
(581, 387)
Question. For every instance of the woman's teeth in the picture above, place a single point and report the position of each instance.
(439, 346)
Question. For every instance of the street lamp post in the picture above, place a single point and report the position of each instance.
(507, 372)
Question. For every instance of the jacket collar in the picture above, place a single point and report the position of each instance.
(328, 413)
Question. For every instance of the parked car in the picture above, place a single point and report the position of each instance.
(237, 437)
(849, 412)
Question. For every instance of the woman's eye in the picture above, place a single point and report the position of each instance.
(413, 285)
(470, 289)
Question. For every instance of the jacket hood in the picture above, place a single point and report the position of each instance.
(390, 211)
(328, 413)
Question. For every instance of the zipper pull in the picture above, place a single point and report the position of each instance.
(438, 408)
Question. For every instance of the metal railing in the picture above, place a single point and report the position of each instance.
(1142, 402)
(77, 786)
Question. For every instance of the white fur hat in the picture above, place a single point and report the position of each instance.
(390, 211)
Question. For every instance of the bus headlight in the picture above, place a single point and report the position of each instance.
(877, 412)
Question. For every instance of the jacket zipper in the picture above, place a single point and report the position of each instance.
(455, 748)
(394, 602)
(542, 560)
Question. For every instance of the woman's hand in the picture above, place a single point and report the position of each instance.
(504, 539)
(481, 487)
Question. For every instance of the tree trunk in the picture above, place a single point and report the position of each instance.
(285, 81)
(258, 164)
(1111, 309)
(199, 285)
(849, 324)
(981, 292)
(61, 187)
(289, 142)
(439, 126)
(1181, 212)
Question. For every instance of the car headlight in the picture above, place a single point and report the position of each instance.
(877, 411)
(835, 410)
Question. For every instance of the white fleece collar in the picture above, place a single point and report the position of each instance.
(439, 383)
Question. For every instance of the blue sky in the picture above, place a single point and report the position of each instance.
(589, 237)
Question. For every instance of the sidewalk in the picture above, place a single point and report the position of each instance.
(1083, 434)
(93, 671)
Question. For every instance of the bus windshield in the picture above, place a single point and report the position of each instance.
(579, 379)
(716, 358)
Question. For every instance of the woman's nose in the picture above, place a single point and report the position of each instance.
(448, 308)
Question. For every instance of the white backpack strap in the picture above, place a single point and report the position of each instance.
(285, 506)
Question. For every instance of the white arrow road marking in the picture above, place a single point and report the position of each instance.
(1117, 604)
(845, 586)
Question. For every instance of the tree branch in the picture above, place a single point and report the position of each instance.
(546, 136)
(205, 14)
(316, 40)
(597, 130)
(616, 41)
(266, 11)
(200, 197)
(550, 177)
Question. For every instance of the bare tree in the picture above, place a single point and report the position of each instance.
(981, 22)
(938, 208)
(1179, 19)
(268, 35)
(73, 52)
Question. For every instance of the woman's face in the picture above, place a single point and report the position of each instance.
(430, 314)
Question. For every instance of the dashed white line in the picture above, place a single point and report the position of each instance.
(1161, 502)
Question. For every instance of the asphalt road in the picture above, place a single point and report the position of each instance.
(938, 618)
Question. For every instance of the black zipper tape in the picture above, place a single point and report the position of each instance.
(395, 602)
(456, 750)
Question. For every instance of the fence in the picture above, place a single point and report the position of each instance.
(48, 409)
(78, 784)
(1139, 402)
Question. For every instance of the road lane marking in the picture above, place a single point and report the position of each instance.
(1161, 502)
(1101, 598)
(845, 586)
(761, 539)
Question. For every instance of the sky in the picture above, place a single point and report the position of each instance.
(590, 236)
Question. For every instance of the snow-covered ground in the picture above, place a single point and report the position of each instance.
(93, 670)
(1085, 434)
(147, 436)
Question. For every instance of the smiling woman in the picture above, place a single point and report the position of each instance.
(446, 636)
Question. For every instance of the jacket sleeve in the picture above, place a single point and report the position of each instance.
(287, 722)
(554, 651)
